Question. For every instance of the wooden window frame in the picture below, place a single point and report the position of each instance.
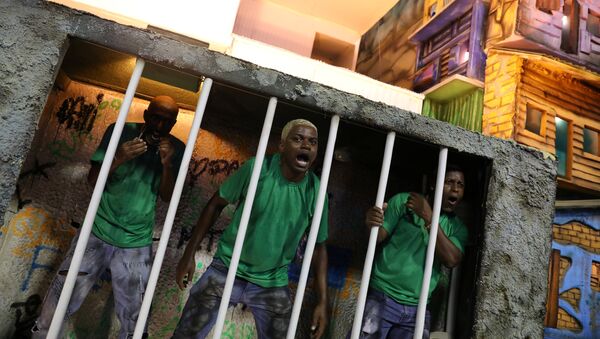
(569, 165)
(543, 123)
(591, 156)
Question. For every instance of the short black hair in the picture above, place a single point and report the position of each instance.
(454, 168)
(450, 167)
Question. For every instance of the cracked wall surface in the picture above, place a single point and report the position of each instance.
(520, 197)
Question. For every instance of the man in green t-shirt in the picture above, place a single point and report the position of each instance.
(397, 276)
(282, 211)
(144, 167)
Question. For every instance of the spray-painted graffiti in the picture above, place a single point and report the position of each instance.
(212, 167)
(20, 201)
(78, 115)
(26, 313)
(66, 148)
(37, 170)
(38, 228)
(37, 265)
(578, 276)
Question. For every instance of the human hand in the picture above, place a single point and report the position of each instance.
(374, 216)
(129, 150)
(418, 204)
(185, 271)
(319, 321)
(166, 151)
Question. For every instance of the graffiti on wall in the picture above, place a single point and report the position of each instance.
(26, 313)
(40, 238)
(212, 167)
(74, 113)
(60, 201)
(582, 248)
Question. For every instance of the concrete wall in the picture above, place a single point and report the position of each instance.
(517, 227)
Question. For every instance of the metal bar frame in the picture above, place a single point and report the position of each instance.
(314, 227)
(437, 206)
(364, 285)
(84, 234)
(241, 234)
(173, 204)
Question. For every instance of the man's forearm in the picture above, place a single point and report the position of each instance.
(446, 250)
(167, 183)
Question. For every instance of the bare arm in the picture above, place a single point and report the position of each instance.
(167, 183)
(320, 314)
(374, 218)
(445, 250)
(166, 150)
(187, 263)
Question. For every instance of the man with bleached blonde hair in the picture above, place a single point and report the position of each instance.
(281, 214)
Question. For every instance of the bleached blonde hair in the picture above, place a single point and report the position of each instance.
(293, 123)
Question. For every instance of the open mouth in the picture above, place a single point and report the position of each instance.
(302, 160)
(153, 138)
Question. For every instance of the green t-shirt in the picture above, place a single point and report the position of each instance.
(281, 213)
(125, 215)
(398, 268)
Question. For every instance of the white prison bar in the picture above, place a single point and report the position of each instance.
(173, 204)
(437, 205)
(84, 233)
(241, 234)
(364, 284)
(314, 227)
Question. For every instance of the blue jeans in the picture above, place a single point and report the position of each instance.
(271, 307)
(386, 318)
(129, 268)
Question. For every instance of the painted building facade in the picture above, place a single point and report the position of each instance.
(534, 79)
(451, 60)
(542, 89)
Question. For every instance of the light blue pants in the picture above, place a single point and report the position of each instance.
(386, 318)
(129, 268)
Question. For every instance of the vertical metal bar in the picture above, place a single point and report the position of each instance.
(173, 204)
(239, 240)
(84, 234)
(437, 206)
(451, 315)
(364, 284)
(314, 227)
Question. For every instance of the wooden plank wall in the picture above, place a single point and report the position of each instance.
(558, 94)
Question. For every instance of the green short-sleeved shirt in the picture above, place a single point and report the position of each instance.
(281, 213)
(125, 215)
(398, 268)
